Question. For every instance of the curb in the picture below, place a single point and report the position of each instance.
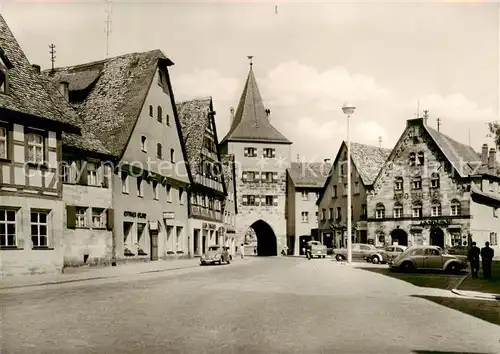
(476, 294)
(64, 281)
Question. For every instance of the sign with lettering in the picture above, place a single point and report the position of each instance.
(133, 214)
(168, 215)
(153, 225)
(212, 226)
(440, 222)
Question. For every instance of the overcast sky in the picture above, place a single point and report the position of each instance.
(309, 59)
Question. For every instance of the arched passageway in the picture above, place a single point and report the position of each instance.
(436, 237)
(400, 237)
(266, 239)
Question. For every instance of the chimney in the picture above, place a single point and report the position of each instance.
(484, 154)
(231, 110)
(64, 89)
(36, 68)
(425, 117)
(492, 159)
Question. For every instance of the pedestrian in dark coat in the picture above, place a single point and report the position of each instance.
(487, 255)
(473, 257)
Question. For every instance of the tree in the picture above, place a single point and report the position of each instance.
(494, 128)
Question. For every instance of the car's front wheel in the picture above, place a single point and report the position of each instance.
(375, 260)
(339, 257)
(453, 268)
(408, 267)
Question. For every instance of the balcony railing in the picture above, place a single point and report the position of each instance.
(200, 211)
(210, 183)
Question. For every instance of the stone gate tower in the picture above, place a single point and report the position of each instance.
(262, 155)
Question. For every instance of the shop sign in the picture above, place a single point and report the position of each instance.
(153, 225)
(441, 222)
(168, 215)
(133, 214)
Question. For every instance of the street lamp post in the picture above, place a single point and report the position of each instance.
(348, 109)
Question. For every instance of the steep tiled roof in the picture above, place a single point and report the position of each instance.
(112, 93)
(27, 93)
(193, 116)
(368, 161)
(311, 175)
(251, 122)
(464, 158)
(86, 140)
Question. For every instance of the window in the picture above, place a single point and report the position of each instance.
(380, 211)
(203, 200)
(92, 179)
(417, 210)
(317, 216)
(250, 152)
(345, 188)
(98, 218)
(317, 195)
(144, 146)
(3, 79)
(330, 214)
(398, 184)
(140, 191)
(342, 169)
(3, 143)
(305, 195)
(381, 237)
(268, 177)
(249, 176)
(434, 180)
(7, 228)
(493, 239)
(398, 210)
(418, 252)
(305, 216)
(436, 209)
(356, 188)
(150, 110)
(140, 231)
(156, 195)
(339, 213)
(35, 148)
(39, 228)
(417, 183)
(269, 153)
(168, 119)
(81, 217)
(172, 155)
(252, 200)
(364, 212)
(323, 214)
(125, 187)
(335, 191)
(181, 195)
(455, 207)
(159, 153)
(420, 158)
(412, 159)
(269, 200)
(159, 114)
(456, 239)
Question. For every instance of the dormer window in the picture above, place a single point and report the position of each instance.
(421, 158)
(3, 79)
(434, 180)
(412, 159)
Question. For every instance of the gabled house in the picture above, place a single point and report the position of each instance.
(366, 162)
(127, 102)
(304, 182)
(434, 190)
(86, 170)
(207, 192)
(262, 156)
(31, 126)
(230, 208)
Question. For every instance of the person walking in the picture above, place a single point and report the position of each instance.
(487, 255)
(242, 251)
(473, 257)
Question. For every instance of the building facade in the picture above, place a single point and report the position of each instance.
(262, 156)
(303, 186)
(366, 162)
(207, 191)
(141, 128)
(31, 206)
(230, 209)
(429, 192)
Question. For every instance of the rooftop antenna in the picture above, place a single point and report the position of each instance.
(380, 142)
(52, 52)
(250, 58)
(438, 122)
(107, 30)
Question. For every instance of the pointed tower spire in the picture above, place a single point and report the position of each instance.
(251, 121)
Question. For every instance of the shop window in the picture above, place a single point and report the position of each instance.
(456, 239)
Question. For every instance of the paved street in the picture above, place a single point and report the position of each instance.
(259, 305)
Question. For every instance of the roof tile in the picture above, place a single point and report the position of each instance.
(312, 175)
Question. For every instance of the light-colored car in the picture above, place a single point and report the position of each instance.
(428, 258)
(216, 254)
(359, 251)
(387, 255)
(315, 249)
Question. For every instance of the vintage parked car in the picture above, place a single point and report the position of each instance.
(428, 258)
(216, 254)
(359, 251)
(386, 255)
(315, 249)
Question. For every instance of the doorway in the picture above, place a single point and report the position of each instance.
(154, 245)
(436, 237)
